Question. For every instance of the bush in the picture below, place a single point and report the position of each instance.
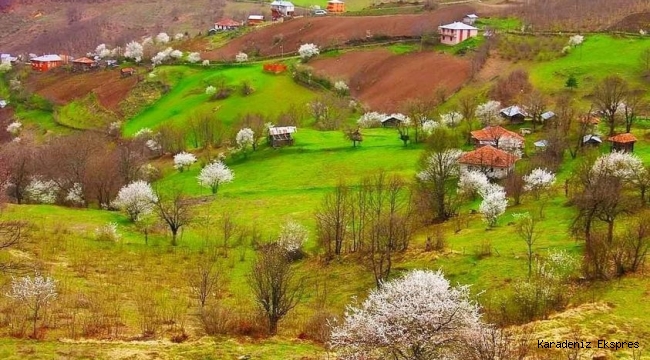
(484, 249)
(246, 88)
(317, 327)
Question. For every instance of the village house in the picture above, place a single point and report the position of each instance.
(494, 163)
(46, 62)
(227, 24)
(83, 64)
(498, 137)
(255, 20)
(390, 121)
(515, 114)
(281, 9)
(455, 33)
(622, 142)
(470, 19)
(335, 6)
(547, 116)
(281, 136)
(591, 140)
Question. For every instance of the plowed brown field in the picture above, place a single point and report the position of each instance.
(61, 87)
(332, 31)
(383, 80)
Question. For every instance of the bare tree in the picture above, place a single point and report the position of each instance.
(634, 102)
(644, 63)
(174, 209)
(419, 110)
(608, 96)
(275, 285)
(535, 104)
(466, 106)
(332, 219)
(526, 228)
(204, 279)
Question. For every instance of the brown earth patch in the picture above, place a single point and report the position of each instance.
(62, 87)
(383, 80)
(331, 31)
(6, 117)
(633, 23)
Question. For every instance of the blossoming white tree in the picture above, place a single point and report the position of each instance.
(194, 57)
(341, 87)
(179, 36)
(308, 51)
(494, 203)
(34, 292)
(244, 139)
(488, 113)
(241, 57)
(618, 164)
(451, 119)
(538, 181)
(136, 198)
(210, 90)
(292, 237)
(183, 161)
(205, 62)
(472, 183)
(176, 54)
(215, 174)
(419, 316)
(42, 191)
(102, 51)
(371, 119)
(134, 50)
(429, 125)
(162, 38)
(14, 128)
(576, 40)
(75, 194)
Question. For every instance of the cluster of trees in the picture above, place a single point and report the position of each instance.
(373, 219)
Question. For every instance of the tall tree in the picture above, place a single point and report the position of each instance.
(608, 96)
(174, 208)
(276, 287)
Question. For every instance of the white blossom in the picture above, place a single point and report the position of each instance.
(404, 120)
(245, 138)
(370, 119)
(14, 128)
(183, 160)
(618, 164)
(341, 86)
(34, 291)
(210, 90)
(429, 125)
(419, 312)
(179, 36)
(176, 54)
(162, 38)
(451, 119)
(215, 174)
(494, 203)
(241, 57)
(441, 165)
(205, 62)
(147, 41)
(134, 50)
(144, 133)
(162, 56)
(292, 236)
(108, 232)
(153, 145)
(102, 51)
(307, 51)
(75, 194)
(194, 57)
(576, 40)
(136, 198)
(472, 182)
(115, 127)
(539, 180)
(42, 191)
(488, 113)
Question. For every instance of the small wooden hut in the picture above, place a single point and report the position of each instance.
(280, 136)
(622, 142)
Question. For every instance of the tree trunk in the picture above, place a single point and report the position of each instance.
(174, 235)
(273, 325)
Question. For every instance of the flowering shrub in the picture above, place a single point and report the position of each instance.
(42, 191)
(75, 195)
(494, 203)
(341, 87)
(134, 50)
(308, 51)
(241, 57)
(194, 57)
(162, 38)
(538, 180)
(107, 232)
(292, 237)
(371, 119)
(210, 90)
(451, 119)
(183, 161)
(14, 128)
(245, 138)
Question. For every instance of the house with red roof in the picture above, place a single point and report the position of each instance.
(498, 137)
(494, 163)
(622, 142)
(227, 24)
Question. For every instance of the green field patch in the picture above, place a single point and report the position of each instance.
(85, 114)
(273, 94)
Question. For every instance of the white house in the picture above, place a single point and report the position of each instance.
(455, 33)
(470, 19)
(281, 9)
(494, 163)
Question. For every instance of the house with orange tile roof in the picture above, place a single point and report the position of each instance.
(494, 163)
(623, 142)
(498, 137)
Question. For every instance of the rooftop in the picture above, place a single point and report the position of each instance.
(488, 156)
(513, 110)
(622, 138)
(491, 133)
(277, 130)
(47, 58)
(458, 26)
(227, 22)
